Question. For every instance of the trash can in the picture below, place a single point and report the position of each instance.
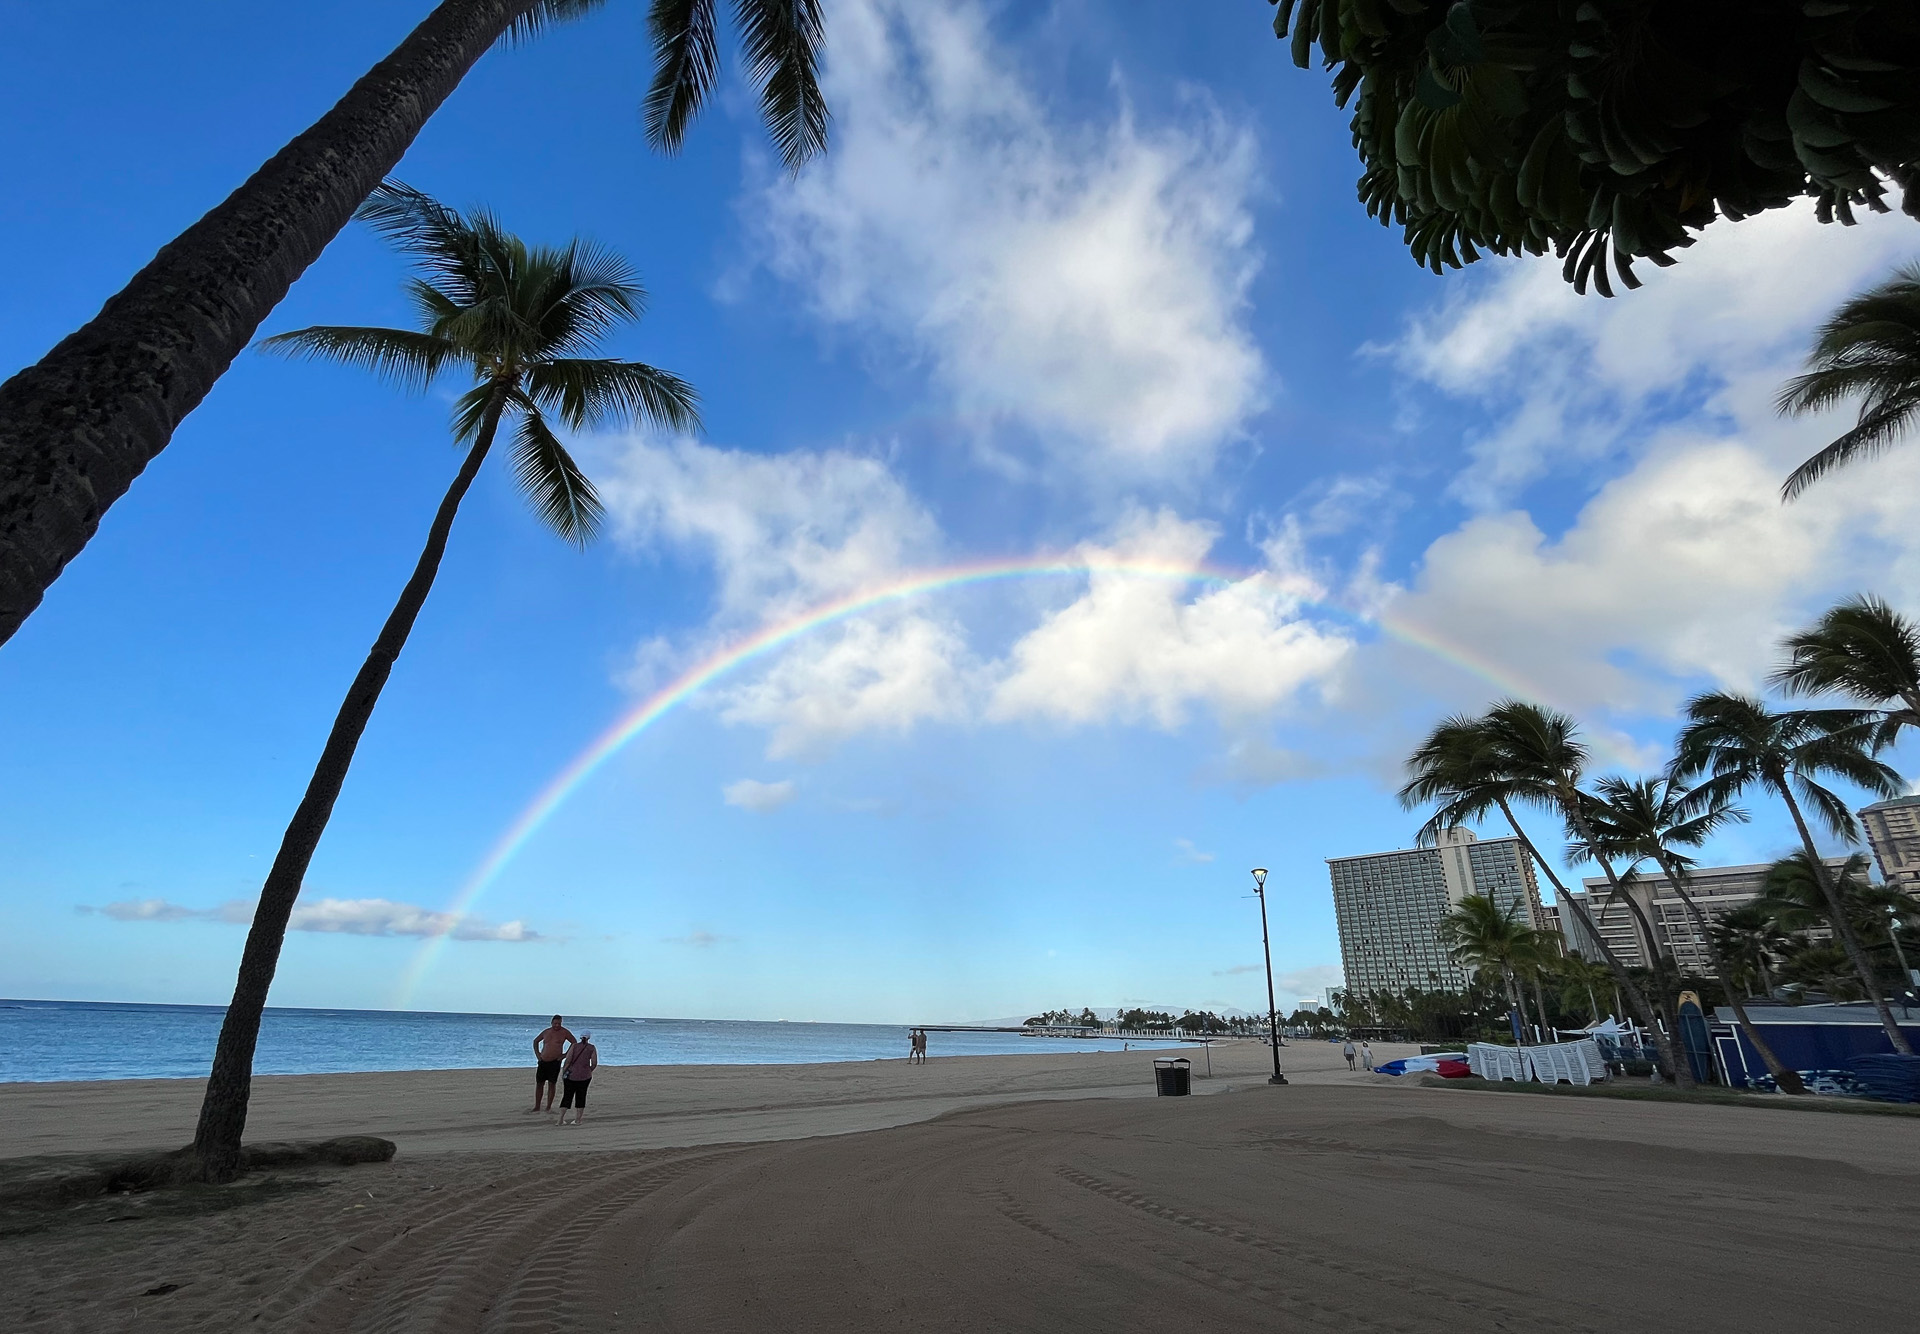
(1173, 1076)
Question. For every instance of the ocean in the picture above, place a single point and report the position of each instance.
(49, 1040)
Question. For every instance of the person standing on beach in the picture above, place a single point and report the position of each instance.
(1347, 1051)
(1366, 1055)
(581, 1062)
(548, 1048)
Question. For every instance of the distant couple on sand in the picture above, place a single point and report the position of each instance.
(916, 1047)
(563, 1057)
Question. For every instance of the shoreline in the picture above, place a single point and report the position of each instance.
(631, 1107)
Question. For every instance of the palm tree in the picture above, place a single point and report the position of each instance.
(1748, 941)
(1863, 649)
(520, 319)
(1543, 756)
(1494, 941)
(1793, 902)
(1516, 753)
(1737, 743)
(1651, 819)
(1870, 349)
(77, 427)
(1577, 974)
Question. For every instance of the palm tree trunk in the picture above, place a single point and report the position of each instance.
(1515, 1002)
(223, 1111)
(1842, 927)
(1622, 979)
(1665, 1045)
(1540, 1004)
(79, 426)
(1784, 1079)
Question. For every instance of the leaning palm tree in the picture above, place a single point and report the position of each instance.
(1734, 743)
(77, 427)
(520, 320)
(1870, 350)
(1862, 649)
(1490, 938)
(1517, 754)
(1652, 819)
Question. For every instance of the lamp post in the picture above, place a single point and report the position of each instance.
(1273, 1014)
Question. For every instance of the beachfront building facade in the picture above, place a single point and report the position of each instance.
(1893, 832)
(1389, 905)
(1718, 890)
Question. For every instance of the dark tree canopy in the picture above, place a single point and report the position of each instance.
(1589, 126)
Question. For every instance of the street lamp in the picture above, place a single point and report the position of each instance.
(1273, 1014)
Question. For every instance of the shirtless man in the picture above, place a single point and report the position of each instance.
(548, 1048)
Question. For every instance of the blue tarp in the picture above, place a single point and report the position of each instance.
(1812, 1037)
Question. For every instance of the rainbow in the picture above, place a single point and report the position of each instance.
(772, 638)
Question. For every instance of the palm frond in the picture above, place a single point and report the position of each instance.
(590, 292)
(1875, 433)
(403, 356)
(783, 39)
(587, 392)
(686, 64)
(1861, 647)
(470, 411)
(561, 494)
(547, 14)
(1869, 349)
(1831, 808)
(437, 238)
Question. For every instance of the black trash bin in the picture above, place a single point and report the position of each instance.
(1173, 1076)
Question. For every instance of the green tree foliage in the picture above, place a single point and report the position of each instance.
(1734, 743)
(1869, 350)
(1862, 648)
(1611, 130)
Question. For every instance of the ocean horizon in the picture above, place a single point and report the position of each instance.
(43, 1041)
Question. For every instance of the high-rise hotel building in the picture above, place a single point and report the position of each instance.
(1893, 832)
(1389, 906)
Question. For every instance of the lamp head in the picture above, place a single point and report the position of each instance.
(1259, 877)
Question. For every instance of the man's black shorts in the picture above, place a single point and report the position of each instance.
(547, 1073)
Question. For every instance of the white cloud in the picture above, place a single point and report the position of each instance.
(1570, 377)
(885, 674)
(1084, 286)
(1309, 983)
(783, 531)
(1684, 567)
(355, 917)
(750, 794)
(1135, 647)
(699, 940)
(1189, 854)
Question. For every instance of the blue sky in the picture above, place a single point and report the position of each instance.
(1076, 279)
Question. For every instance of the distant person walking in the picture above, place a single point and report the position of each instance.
(1347, 1051)
(917, 1047)
(582, 1061)
(1366, 1056)
(548, 1048)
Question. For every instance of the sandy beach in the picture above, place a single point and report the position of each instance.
(984, 1193)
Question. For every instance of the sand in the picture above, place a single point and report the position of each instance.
(1034, 1199)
